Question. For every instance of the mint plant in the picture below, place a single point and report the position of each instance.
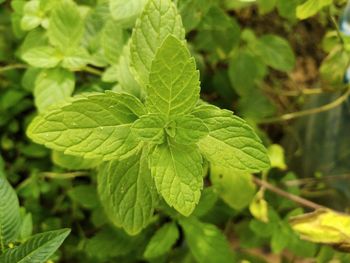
(155, 146)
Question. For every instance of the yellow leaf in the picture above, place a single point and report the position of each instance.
(324, 226)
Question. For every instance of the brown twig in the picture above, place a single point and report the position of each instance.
(297, 199)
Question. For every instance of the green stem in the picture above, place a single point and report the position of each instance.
(11, 67)
(294, 115)
(93, 71)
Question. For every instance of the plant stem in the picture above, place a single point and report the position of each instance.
(295, 93)
(297, 199)
(11, 67)
(294, 115)
(93, 71)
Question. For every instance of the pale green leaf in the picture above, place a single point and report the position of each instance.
(231, 142)
(73, 162)
(93, 126)
(110, 74)
(311, 7)
(123, 73)
(189, 129)
(66, 26)
(177, 171)
(112, 41)
(10, 219)
(173, 81)
(236, 189)
(157, 21)
(75, 58)
(26, 229)
(206, 242)
(127, 192)
(259, 207)
(42, 57)
(32, 15)
(162, 241)
(126, 12)
(53, 86)
(36, 249)
(275, 52)
(150, 128)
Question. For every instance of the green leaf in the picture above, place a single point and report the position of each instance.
(218, 33)
(177, 171)
(26, 229)
(84, 195)
(73, 162)
(231, 142)
(276, 155)
(32, 15)
(157, 21)
(150, 128)
(112, 41)
(66, 27)
(334, 66)
(10, 218)
(236, 189)
(91, 126)
(126, 12)
(244, 72)
(311, 7)
(53, 86)
(42, 57)
(206, 242)
(127, 192)
(109, 243)
(37, 249)
(173, 81)
(275, 52)
(124, 75)
(162, 241)
(75, 58)
(189, 129)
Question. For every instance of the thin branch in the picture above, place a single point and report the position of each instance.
(295, 93)
(11, 67)
(297, 199)
(304, 181)
(294, 115)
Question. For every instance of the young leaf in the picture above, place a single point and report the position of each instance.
(32, 17)
(42, 57)
(127, 192)
(52, 86)
(10, 218)
(206, 242)
(37, 249)
(231, 142)
(157, 21)
(189, 129)
(91, 126)
(126, 12)
(162, 241)
(150, 128)
(173, 81)
(177, 171)
(66, 27)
